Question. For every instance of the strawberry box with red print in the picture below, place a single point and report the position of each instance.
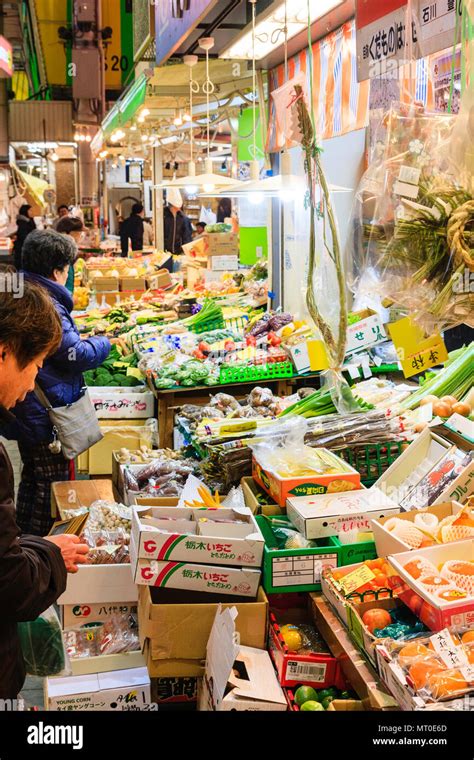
(212, 536)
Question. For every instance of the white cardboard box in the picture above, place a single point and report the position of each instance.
(255, 688)
(188, 540)
(326, 515)
(224, 263)
(77, 614)
(119, 690)
(387, 543)
(106, 663)
(192, 576)
(417, 461)
(100, 583)
(122, 403)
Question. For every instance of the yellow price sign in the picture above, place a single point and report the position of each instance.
(359, 577)
(416, 353)
(318, 358)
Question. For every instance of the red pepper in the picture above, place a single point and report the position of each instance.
(251, 340)
(204, 347)
(273, 339)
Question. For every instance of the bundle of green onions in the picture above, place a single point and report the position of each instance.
(319, 403)
(210, 312)
(455, 379)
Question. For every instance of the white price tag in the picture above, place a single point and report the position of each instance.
(353, 370)
(377, 361)
(366, 371)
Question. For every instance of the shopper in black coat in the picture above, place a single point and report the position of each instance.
(25, 224)
(32, 569)
(132, 229)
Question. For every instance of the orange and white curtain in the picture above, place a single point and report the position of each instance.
(340, 102)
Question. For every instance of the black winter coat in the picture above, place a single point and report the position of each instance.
(25, 226)
(32, 576)
(177, 230)
(131, 228)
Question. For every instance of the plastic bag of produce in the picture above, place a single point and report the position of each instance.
(42, 646)
(412, 221)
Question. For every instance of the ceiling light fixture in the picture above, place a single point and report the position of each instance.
(268, 31)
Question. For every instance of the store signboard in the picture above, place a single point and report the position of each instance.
(382, 43)
(6, 58)
(174, 21)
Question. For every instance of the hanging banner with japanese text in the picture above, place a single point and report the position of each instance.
(381, 34)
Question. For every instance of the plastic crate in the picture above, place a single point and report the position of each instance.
(237, 323)
(256, 372)
(371, 460)
(215, 324)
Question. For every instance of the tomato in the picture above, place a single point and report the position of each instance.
(376, 618)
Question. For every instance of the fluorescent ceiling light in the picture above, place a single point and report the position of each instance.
(269, 33)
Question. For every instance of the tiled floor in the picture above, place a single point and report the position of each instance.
(32, 691)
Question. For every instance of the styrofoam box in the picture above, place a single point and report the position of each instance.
(122, 403)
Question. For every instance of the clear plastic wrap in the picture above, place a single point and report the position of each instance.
(116, 635)
(439, 666)
(106, 515)
(42, 646)
(412, 223)
(107, 547)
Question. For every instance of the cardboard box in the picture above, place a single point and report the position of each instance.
(76, 494)
(367, 332)
(120, 690)
(192, 576)
(189, 540)
(327, 515)
(122, 403)
(363, 638)
(281, 489)
(255, 687)
(355, 668)
(222, 244)
(160, 281)
(286, 570)
(174, 690)
(174, 628)
(337, 597)
(130, 497)
(415, 464)
(118, 467)
(78, 614)
(132, 283)
(389, 543)
(346, 705)
(223, 263)
(432, 611)
(314, 669)
(250, 490)
(106, 663)
(130, 434)
(101, 284)
(94, 584)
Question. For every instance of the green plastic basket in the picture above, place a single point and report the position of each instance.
(372, 459)
(215, 324)
(237, 323)
(256, 372)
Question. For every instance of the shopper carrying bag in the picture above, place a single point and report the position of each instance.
(46, 452)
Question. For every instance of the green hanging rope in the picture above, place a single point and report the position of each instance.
(453, 58)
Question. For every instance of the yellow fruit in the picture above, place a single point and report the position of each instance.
(292, 637)
(287, 331)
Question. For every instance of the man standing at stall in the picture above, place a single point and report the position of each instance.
(133, 229)
(177, 227)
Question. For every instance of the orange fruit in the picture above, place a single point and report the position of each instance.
(468, 637)
(421, 671)
(426, 541)
(433, 580)
(413, 568)
(463, 568)
(380, 580)
(412, 651)
(470, 655)
(447, 683)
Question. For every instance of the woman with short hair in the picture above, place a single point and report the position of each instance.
(47, 256)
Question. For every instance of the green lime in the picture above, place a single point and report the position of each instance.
(312, 705)
(345, 695)
(326, 702)
(330, 692)
(305, 694)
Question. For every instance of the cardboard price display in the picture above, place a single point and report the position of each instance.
(415, 352)
(357, 578)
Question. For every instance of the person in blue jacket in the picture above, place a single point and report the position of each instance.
(47, 256)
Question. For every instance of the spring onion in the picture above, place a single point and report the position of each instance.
(455, 379)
